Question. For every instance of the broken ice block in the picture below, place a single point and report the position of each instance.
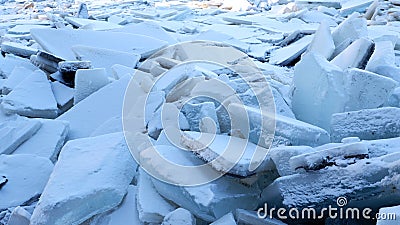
(284, 56)
(8, 63)
(102, 179)
(212, 200)
(105, 58)
(367, 124)
(179, 216)
(69, 68)
(369, 183)
(32, 97)
(97, 25)
(26, 177)
(287, 131)
(355, 55)
(228, 219)
(227, 154)
(353, 28)
(47, 141)
(383, 55)
(281, 155)
(152, 207)
(49, 39)
(17, 49)
(89, 81)
(319, 159)
(367, 90)
(322, 42)
(17, 75)
(107, 102)
(319, 90)
(19, 216)
(196, 114)
(63, 95)
(15, 131)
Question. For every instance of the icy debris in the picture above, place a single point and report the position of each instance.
(147, 198)
(49, 39)
(353, 28)
(367, 124)
(383, 55)
(251, 217)
(106, 102)
(15, 131)
(322, 37)
(318, 90)
(179, 216)
(32, 97)
(99, 179)
(17, 49)
(212, 200)
(228, 219)
(339, 156)
(26, 177)
(368, 181)
(350, 7)
(19, 216)
(224, 151)
(117, 20)
(281, 155)
(105, 58)
(197, 114)
(17, 75)
(47, 141)
(286, 55)
(89, 81)
(393, 212)
(367, 90)
(8, 64)
(355, 55)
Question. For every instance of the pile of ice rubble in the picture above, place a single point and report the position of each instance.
(332, 67)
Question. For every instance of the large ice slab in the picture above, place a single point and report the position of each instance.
(47, 141)
(89, 81)
(107, 103)
(210, 201)
(8, 63)
(322, 42)
(98, 184)
(286, 55)
(91, 24)
(389, 212)
(25, 178)
(49, 39)
(368, 182)
(147, 198)
(367, 124)
(32, 97)
(105, 58)
(14, 131)
(17, 75)
(318, 90)
(383, 55)
(224, 151)
(367, 90)
(353, 28)
(355, 55)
